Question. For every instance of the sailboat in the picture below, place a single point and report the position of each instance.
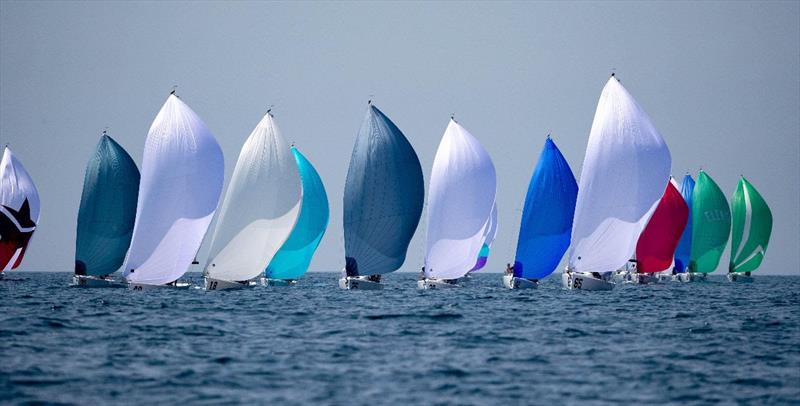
(624, 171)
(383, 197)
(106, 215)
(750, 232)
(259, 211)
(488, 239)
(292, 260)
(181, 180)
(19, 211)
(684, 249)
(711, 225)
(461, 197)
(656, 246)
(544, 232)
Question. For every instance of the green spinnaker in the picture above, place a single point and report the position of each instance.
(752, 226)
(711, 225)
(107, 210)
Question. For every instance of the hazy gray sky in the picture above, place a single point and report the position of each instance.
(721, 81)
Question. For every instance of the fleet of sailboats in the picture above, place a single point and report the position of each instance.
(461, 200)
(625, 218)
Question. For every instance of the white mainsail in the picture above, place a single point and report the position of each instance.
(625, 170)
(260, 208)
(461, 196)
(181, 180)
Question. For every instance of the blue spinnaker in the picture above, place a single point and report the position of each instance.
(544, 233)
(684, 250)
(107, 211)
(294, 257)
(383, 196)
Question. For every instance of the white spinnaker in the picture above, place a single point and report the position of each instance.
(623, 177)
(462, 192)
(260, 208)
(16, 185)
(181, 180)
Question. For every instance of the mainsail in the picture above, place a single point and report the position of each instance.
(19, 210)
(383, 197)
(544, 232)
(292, 261)
(488, 239)
(107, 211)
(656, 246)
(624, 172)
(260, 208)
(711, 225)
(463, 187)
(181, 180)
(684, 250)
(752, 226)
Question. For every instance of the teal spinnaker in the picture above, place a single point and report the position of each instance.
(294, 257)
(107, 211)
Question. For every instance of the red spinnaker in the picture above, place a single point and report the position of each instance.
(660, 237)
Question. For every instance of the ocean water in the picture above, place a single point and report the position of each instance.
(713, 342)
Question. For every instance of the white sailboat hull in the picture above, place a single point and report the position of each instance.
(435, 284)
(643, 279)
(86, 281)
(220, 284)
(739, 277)
(584, 281)
(681, 277)
(358, 283)
(279, 282)
(512, 282)
(696, 277)
(144, 286)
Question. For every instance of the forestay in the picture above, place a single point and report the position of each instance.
(181, 180)
(19, 211)
(260, 208)
(383, 197)
(294, 257)
(684, 250)
(751, 229)
(711, 218)
(462, 192)
(656, 246)
(107, 211)
(546, 225)
(624, 172)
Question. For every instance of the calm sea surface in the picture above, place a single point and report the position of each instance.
(313, 343)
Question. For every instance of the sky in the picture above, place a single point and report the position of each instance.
(720, 80)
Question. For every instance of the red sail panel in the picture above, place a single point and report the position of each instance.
(657, 243)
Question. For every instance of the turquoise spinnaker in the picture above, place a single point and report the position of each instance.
(107, 211)
(292, 260)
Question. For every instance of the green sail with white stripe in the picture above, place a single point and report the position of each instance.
(752, 226)
(711, 225)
